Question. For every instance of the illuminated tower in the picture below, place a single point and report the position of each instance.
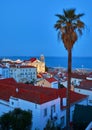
(41, 67)
(42, 58)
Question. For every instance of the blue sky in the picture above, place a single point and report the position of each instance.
(27, 27)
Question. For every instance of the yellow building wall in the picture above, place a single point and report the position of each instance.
(44, 83)
(39, 65)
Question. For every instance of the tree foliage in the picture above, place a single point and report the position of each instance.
(16, 120)
(82, 117)
(69, 26)
(51, 126)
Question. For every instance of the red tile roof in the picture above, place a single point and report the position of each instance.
(90, 75)
(27, 66)
(34, 94)
(85, 84)
(33, 59)
(6, 91)
(39, 76)
(50, 80)
(22, 66)
(8, 81)
(74, 97)
(78, 75)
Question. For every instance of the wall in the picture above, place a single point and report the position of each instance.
(4, 107)
(85, 92)
(43, 82)
(37, 110)
(38, 119)
(54, 84)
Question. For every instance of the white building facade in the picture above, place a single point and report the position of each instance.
(45, 103)
(4, 71)
(23, 73)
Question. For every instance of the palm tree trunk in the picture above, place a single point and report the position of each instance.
(68, 90)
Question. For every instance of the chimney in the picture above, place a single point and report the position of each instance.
(17, 90)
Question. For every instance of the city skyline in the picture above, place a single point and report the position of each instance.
(27, 28)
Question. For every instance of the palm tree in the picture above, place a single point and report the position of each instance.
(69, 26)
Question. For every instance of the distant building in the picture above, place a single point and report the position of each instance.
(48, 82)
(42, 58)
(76, 78)
(45, 103)
(85, 87)
(4, 71)
(39, 64)
(22, 73)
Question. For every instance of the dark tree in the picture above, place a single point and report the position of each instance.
(5, 121)
(16, 120)
(82, 116)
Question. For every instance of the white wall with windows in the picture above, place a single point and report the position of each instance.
(4, 72)
(85, 92)
(41, 112)
(23, 74)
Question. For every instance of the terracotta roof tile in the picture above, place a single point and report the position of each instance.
(8, 81)
(79, 75)
(85, 84)
(34, 94)
(22, 66)
(27, 66)
(33, 59)
(74, 97)
(51, 79)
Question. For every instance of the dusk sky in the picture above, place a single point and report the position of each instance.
(27, 27)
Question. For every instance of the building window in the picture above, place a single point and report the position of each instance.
(90, 101)
(53, 108)
(45, 112)
(62, 120)
(72, 114)
(35, 106)
(12, 103)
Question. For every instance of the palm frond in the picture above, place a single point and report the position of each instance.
(80, 31)
(68, 26)
(69, 14)
(57, 26)
(80, 24)
(79, 15)
(59, 36)
(62, 17)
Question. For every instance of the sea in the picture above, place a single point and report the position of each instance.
(77, 62)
